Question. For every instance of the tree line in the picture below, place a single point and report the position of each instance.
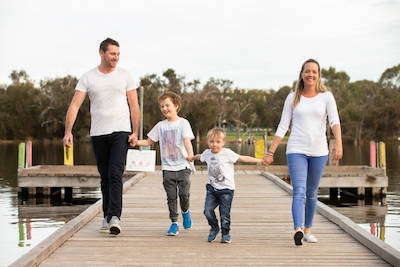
(367, 109)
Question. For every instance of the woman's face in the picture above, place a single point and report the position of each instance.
(310, 74)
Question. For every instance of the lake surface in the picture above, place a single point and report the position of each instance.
(27, 222)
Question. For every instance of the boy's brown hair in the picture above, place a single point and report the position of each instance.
(175, 99)
(216, 132)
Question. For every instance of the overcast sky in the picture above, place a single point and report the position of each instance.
(257, 44)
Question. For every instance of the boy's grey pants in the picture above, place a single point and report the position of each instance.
(174, 181)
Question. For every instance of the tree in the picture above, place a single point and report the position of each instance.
(174, 82)
(56, 96)
(391, 75)
(359, 98)
(201, 106)
(238, 103)
(19, 77)
(336, 81)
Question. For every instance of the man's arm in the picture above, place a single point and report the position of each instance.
(72, 112)
(135, 116)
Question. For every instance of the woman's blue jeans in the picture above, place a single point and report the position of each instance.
(305, 174)
(223, 199)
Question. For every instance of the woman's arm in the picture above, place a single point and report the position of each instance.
(337, 150)
(269, 155)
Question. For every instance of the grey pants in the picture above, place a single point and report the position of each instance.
(172, 181)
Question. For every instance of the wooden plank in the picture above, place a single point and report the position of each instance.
(55, 240)
(261, 230)
(382, 249)
(351, 181)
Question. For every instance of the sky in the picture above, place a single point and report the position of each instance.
(257, 44)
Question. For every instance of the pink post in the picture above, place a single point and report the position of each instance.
(372, 154)
(28, 154)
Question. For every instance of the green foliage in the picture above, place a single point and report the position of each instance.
(367, 109)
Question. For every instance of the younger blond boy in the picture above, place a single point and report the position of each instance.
(221, 185)
(175, 135)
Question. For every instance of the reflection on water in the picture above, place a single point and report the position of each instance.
(26, 222)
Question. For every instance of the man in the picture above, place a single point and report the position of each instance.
(110, 89)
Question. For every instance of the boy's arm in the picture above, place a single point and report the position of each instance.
(193, 158)
(188, 146)
(249, 159)
(147, 142)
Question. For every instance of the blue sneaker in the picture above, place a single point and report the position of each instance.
(187, 222)
(173, 230)
(213, 234)
(226, 238)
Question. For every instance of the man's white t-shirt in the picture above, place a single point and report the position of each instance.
(109, 107)
(172, 149)
(221, 168)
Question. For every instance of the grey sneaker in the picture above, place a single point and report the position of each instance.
(105, 227)
(115, 225)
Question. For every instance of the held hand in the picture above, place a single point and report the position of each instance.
(68, 139)
(132, 139)
(337, 151)
(190, 158)
(267, 160)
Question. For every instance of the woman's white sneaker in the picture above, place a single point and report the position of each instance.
(310, 238)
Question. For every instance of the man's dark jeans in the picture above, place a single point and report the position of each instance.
(110, 152)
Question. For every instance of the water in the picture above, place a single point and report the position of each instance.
(27, 222)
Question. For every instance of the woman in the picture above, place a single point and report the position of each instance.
(307, 149)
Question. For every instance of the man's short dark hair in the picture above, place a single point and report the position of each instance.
(106, 42)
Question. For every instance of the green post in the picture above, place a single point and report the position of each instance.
(21, 155)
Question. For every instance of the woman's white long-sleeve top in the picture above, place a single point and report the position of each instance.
(308, 134)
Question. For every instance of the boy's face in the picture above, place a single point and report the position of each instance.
(215, 144)
(168, 109)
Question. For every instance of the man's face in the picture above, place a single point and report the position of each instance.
(111, 56)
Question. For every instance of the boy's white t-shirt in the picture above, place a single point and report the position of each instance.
(172, 149)
(109, 107)
(221, 168)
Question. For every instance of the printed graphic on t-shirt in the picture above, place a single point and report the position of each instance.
(169, 145)
(171, 137)
(214, 170)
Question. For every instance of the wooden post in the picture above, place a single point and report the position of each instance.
(21, 163)
(68, 160)
(372, 154)
(141, 114)
(259, 149)
(21, 155)
(69, 155)
(28, 154)
(381, 164)
(333, 192)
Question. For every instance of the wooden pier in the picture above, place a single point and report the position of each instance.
(261, 231)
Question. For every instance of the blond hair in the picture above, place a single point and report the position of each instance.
(217, 133)
(320, 87)
(175, 99)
